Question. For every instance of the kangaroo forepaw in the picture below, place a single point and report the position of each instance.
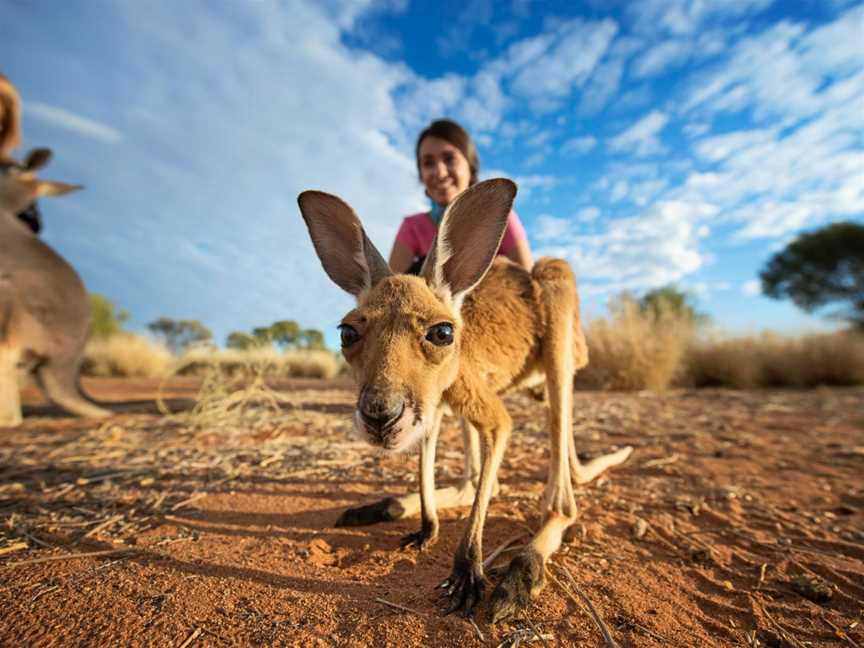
(420, 540)
(523, 580)
(465, 587)
(385, 510)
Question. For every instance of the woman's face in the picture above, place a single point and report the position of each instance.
(443, 169)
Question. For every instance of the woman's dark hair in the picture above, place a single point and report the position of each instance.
(449, 131)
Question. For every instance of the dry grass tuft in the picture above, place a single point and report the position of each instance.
(290, 364)
(126, 354)
(634, 350)
(771, 360)
(236, 400)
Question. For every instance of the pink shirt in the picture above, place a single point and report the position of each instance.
(417, 231)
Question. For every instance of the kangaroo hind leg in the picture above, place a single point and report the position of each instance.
(59, 380)
(525, 578)
(10, 398)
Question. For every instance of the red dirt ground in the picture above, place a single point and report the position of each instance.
(229, 530)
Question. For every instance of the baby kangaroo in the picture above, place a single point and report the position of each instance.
(44, 313)
(462, 333)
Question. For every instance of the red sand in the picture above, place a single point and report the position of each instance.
(727, 482)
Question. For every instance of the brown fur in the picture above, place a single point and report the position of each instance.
(509, 327)
(44, 312)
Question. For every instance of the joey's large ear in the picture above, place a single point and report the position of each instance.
(54, 188)
(19, 190)
(469, 236)
(347, 254)
(37, 158)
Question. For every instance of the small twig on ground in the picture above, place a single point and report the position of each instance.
(783, 634)
(103, 525)
(840, 632)
(192, 637)
(535, 630)
(18, 546)
(84, 481)
(398, 607)
(39, 542)
(663, 461)
(88, 554)
(477, 629)
(188, 501)
(762, 568)
(497, 552)
(604, 630)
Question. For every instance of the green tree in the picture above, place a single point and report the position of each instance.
(284, 333)
(105, 320)
(311, 339)
(821, 268)
(242, 341)
(180, 334)
(671, 300)
(262, 336)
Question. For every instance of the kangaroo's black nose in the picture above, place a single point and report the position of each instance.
(379, 416)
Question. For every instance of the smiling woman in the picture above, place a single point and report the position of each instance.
(447, 163)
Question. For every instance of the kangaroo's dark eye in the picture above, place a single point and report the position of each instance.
(440, 334)
(348, 334)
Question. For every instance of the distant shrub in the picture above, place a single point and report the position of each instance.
(635, 348)
(656, 348)
(126, 354)
(771, 360)
(289, 364)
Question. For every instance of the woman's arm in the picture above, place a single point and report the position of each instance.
(401, 257)
(520, 253)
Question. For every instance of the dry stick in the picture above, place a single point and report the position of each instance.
(497, 552)
(762, 570)
(840, 632)
(192, 637)
(89, 554)
(39, 542)
(477, 629)
(399, 607)
(535, 630)
(103, 525)
(18, 546)
(188, 501)
(663, 461)
(607, 637)
(783, 633)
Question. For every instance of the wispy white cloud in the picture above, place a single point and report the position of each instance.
(648, 250)
(642, 138)
(685, 17)
(660, 57)
(777, 179)
(579, 145)
(752, 287)
(71, 122)
(564, 61)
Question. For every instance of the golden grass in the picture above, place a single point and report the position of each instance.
(290, 364)
(628, 351)
(771, 360)
(633, 351)
(126, 354)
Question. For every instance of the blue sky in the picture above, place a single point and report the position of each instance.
(655, 141)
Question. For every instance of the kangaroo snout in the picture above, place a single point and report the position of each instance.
(380, 414)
